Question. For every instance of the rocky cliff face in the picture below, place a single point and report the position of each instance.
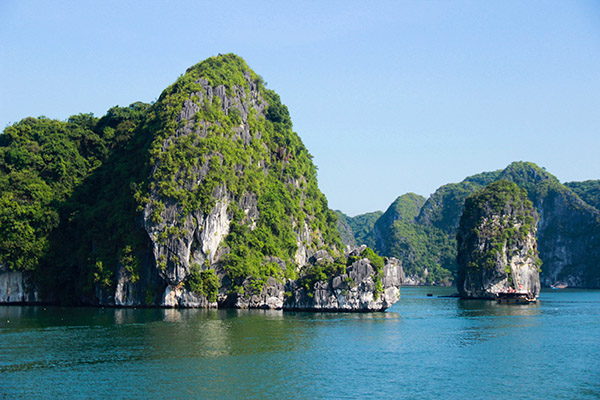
(241, 164)
(346, 232)
(357, 289)
(568, 231)
(568, 240)
(497, 248)
(17, 287)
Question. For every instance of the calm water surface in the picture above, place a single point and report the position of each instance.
(422, 348)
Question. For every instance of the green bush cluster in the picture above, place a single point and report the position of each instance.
(324, 271)
(588, 191)
(321, 272)
(205, 283)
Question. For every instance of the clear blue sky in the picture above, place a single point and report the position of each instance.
(389, 96)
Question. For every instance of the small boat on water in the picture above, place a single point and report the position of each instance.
(559, 285)
(515, 297)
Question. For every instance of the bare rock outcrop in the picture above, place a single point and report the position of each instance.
(361, 288)
(17, 287)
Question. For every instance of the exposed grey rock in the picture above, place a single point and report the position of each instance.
(321, 257)
(17, 287)
(568, 240)
(345, 230)
(125, 293)
(356, 251)
(180, 296)
(271, 296)
(353, 291)
(303, 253)
(181, 243)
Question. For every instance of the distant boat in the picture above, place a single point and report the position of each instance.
(514, 297)
(559, 285)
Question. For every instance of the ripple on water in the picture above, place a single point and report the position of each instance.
(423, 347)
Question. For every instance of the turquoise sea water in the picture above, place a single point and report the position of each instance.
(421, 348)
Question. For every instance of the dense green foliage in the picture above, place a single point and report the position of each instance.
(99, 229)
(403, 210)
(66, 190)
(81, 188)
(421, 233)
(588, 191)
(444, 208)
(428, 243)
(205, 283)
(424, 250)
(498, 198)
(41, 161)
(362, 227)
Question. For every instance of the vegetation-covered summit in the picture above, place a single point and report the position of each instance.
(219, 130)
(130, 196)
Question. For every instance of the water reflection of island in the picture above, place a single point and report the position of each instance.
(486, 320)
(471, 308)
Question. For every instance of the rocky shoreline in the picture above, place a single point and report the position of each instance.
(356, 290)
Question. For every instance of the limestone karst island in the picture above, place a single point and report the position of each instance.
(207, 198)
(497, 248)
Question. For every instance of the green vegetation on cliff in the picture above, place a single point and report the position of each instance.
(41, 162)
(81, 187)
(588, 191)
(516, 218)
(427, 242)
(193, 158)
(361, 227)
(346, 232)
(99, 225)
(444, 208)
(497, 243)
(423, 250)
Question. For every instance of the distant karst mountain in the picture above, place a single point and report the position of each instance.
(568, 231)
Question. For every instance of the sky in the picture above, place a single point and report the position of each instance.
(389, 97)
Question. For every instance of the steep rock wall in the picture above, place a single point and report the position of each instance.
(17, 287)
(497, 248)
